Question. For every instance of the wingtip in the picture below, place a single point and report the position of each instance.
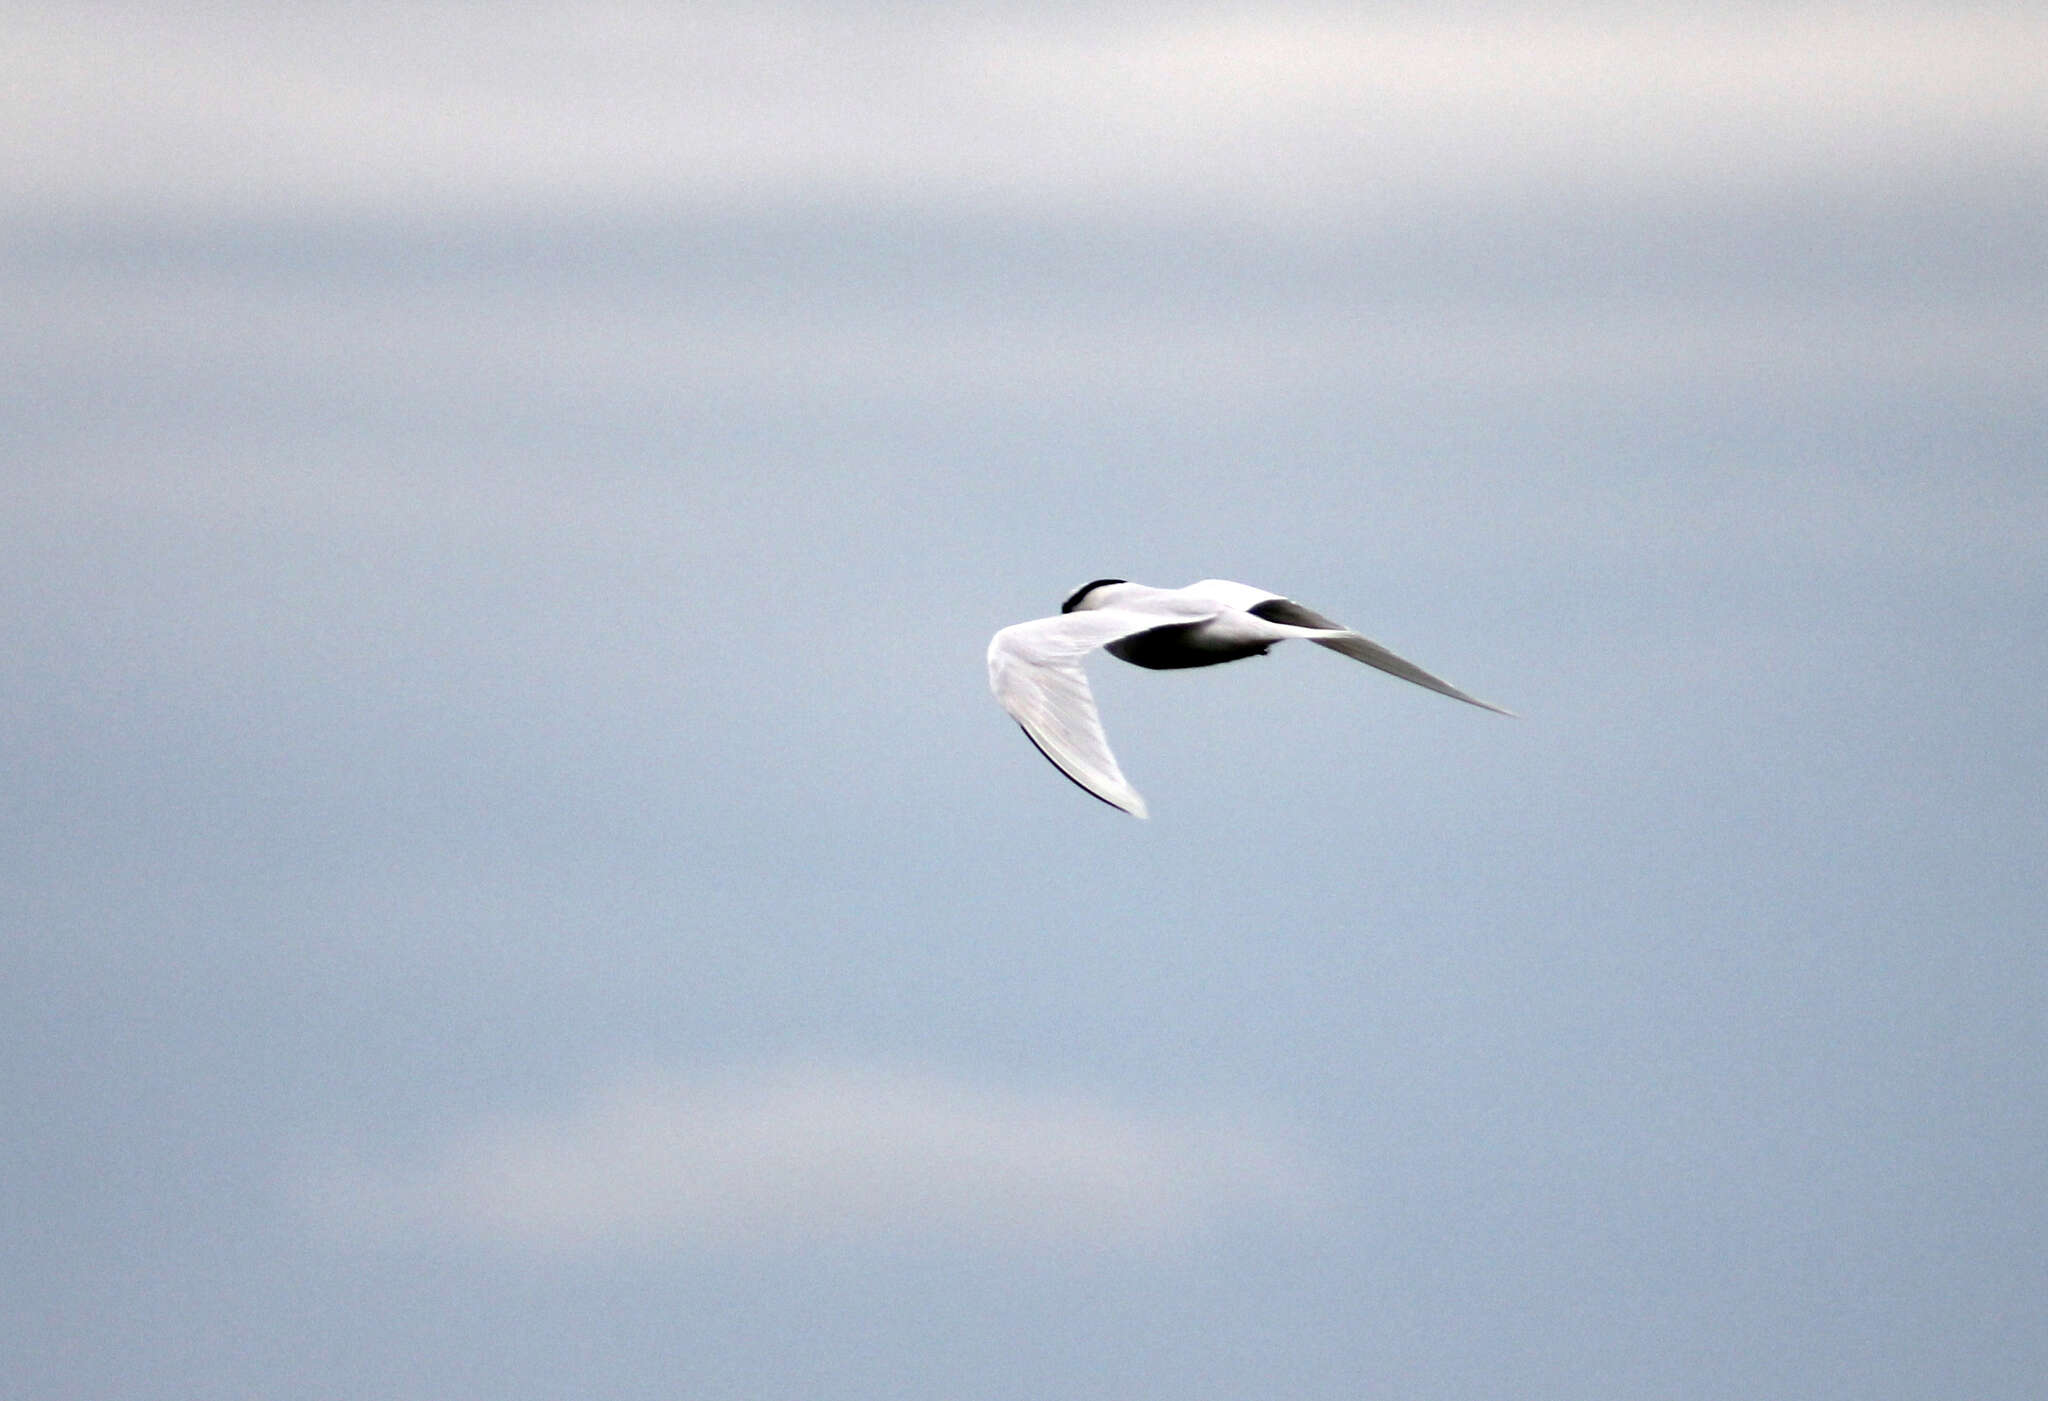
(1122, 796)
(1126, 800)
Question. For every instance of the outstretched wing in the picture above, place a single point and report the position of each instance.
(1035, 670)
(1287, 611)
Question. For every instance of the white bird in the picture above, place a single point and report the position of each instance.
(1035, 668)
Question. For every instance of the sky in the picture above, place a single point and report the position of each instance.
(512, 883)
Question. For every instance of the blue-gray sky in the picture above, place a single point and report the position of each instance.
(513, 885)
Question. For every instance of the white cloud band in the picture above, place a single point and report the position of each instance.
(817, 1153)
(1295, 112)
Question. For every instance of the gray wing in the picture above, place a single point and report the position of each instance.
(1035, 670)
(1287, 611)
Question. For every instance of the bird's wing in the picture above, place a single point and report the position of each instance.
(1035, 670)
(1287, 611)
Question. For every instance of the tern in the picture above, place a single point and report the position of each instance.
(1035, 668)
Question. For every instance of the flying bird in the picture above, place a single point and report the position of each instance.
(1035, 668)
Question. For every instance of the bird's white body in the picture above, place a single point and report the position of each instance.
(1035, 667)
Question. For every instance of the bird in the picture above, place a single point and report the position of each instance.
(1035, 670)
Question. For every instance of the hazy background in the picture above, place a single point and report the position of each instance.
(513, 884)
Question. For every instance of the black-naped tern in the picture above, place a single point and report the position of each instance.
(1035, 668)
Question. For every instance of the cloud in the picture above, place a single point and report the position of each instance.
(1288, 112)
(815, 1153)
(1561, 201)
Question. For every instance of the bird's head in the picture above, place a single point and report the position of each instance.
(1079, 597)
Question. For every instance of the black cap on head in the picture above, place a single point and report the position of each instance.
(1074, 598)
